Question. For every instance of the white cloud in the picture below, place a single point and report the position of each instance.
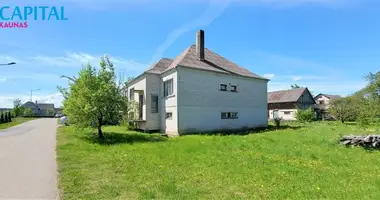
(3, 79)
(297, 78)
(268, 76)
(75, 59)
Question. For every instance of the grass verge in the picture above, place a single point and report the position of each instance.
(15, 121)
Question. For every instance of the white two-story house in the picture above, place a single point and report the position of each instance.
(199, 91)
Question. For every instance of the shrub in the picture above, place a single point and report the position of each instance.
(2, 118)
(277, 121)
(9, 117)
(305, 115)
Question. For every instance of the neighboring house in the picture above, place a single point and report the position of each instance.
(323, 102)
(198, 91)
(40, 109)
(284, 103)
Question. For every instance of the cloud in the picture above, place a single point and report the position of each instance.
(75, 59)
(297, 78)
(3, 79)
(268, 76)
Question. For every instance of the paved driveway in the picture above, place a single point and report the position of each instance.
(27, 161)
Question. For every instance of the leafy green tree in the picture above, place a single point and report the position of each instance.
(344, 109)
(9, 117)
(18, 110)
(28, 112)
(305, 115)
(94, 97)
(2, 118)
(50, 112)
(295, 86)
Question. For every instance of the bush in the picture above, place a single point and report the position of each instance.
(2, 120)
(277, 121)
(305, 115)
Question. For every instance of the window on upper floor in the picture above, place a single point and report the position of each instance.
(322, 102)
(223, 87)
(168, 87)
(154, 103)
(233, 88)
(132, 94)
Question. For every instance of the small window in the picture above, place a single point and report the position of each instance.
(233, 88)
(321, 102)
(223, 87)
(287, 113)
(154, 103)
(169, 115)
(131, 94)
(168, 87)
(229, 115)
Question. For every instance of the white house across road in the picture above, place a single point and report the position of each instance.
(199, 91)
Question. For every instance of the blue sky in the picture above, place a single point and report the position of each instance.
(326, 45)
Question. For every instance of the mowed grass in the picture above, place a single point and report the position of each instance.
(15, 121)
(298, 162)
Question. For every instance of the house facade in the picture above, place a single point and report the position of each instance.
(198, 91)
(284, 103)
(40, 109)
(323, 102)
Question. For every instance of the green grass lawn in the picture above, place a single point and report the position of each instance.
(15, 121)
(298, 162)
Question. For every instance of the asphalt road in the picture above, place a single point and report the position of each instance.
(27, 160)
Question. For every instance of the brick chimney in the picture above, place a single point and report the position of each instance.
(200, 46)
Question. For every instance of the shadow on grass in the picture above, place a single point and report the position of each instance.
(248, 131)
(112, 138)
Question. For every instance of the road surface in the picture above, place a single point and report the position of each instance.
(27, 160)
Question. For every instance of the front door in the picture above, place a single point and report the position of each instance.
(141, 103)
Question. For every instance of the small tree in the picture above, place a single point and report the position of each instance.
(305, 115)
(94, 97)
(9, 117)
(344, 109)
(2, 118)
(28, 112)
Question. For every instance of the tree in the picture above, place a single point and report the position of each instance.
(50, 112)
(344, 109)
(9, 117)
(28, 112)
(17, 108)
(295, 86)
(2, 118)
(94, 97)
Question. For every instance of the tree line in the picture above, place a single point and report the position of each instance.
(5, 117)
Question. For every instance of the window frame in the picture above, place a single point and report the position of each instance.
(287, 112)
(223, 85)
(168, 115)
(154, 105)
(229, 115)
(168, 88)
(132, 94)
(234, 88)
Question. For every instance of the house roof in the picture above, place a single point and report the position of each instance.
(160, 66)
(330, 96)
(40, 105)
(285, 96)
(212, 62)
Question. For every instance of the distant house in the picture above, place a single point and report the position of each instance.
(198, 91)
(40, 109)
(284, 103)
(323, 102)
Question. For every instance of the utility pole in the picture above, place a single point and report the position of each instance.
(31, 94)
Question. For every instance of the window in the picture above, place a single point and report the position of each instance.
(168, 87)
(223, 87)
(132, 94)
(321, 102)
(287, 113)
(154, 103)
(233, 88)
(229, 115)
(169, 115)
